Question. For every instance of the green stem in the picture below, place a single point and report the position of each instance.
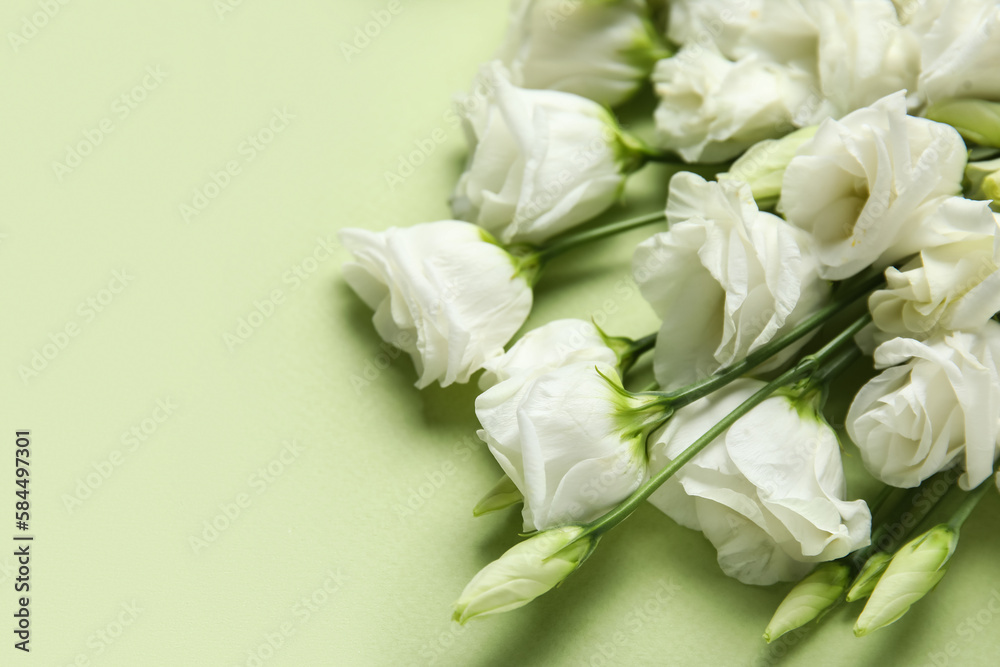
(919, 512)
(969, 504)
(664, 157)
(805, 368)
(642, 345)
(675, 160)
(880, 501)
(633, 350)
(591, 235)
(837, 365)
(686, 395)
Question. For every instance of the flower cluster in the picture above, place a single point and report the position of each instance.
(862, 153)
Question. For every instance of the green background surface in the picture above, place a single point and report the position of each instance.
(367, 516)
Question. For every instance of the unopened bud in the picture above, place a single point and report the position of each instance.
(977, 121)
(525, 571)
(915, 569)
(808, 599)
(869, 576)
(504, 494)
(982, 181)
(763, 165)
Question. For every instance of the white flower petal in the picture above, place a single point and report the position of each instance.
(941, 407)
(541, 161)
(872, 186)
(768, 492)
(599, 50)
(558, 435)
(440, 292)
(724, 284)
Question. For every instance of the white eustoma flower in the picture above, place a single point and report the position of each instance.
(600, 49)
(711, 109)
(443, 292)
(550, 346)
(768, 493)
(959, 48)
(863, 53)
(877, 186)
(507, 378)
(949, 287)
(852, 52)
(541, 161)
(781, 30)
(940, 407)
(573, 444)
(725, 279)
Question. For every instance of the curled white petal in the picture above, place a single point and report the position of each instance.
(602, 50)
(711, 109)
(848, 52)
(560, 440)
(441, 292)
(959, 48)
(874, 187)
(955, 286)
(768, 493)
(541, 161)
(939, 408)
(548, 347)
(725, 281)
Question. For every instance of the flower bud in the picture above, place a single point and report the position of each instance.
(977, 121)
(869, 576)
(525, 571)
(915, 569)
(808, 599)
(501, 496)
(763, 165)
(982, 181)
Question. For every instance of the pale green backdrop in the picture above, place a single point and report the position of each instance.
(141, 229)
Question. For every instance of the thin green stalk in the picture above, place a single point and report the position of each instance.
(880, 501)
(907, 506)
(642, 345)
(664, 157)
(837, 365)
(673, 159)
(635, 349)
(969, 504)
(805, 368)
(548, 252)
(686, 395)
(647, 154)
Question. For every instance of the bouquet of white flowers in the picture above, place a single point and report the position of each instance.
(856, 152)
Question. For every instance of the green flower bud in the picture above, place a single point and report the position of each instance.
(869, 576)
(502, 495)
(763, 165)
(808, 599)
(915, 569)
(977, 121)
(982, 181)
(525, 571)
